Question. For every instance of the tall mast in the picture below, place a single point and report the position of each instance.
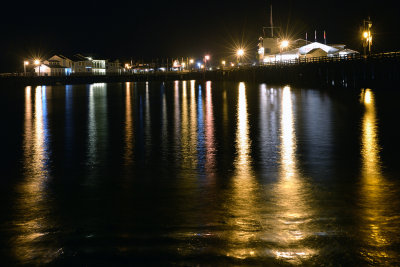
(272, 24)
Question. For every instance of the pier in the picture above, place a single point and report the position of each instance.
(348, 72)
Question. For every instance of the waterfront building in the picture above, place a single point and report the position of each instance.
(113, 67)
(52, 68)
(62, 61)
(275, 50)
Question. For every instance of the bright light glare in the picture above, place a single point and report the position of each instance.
(207, 57)
(37, 61)
(365, 34)
(223, 62)
(191, 61)
(285, 44)
(26, 62)
(240, 52)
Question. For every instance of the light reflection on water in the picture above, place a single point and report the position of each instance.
(33, 224)
(375, 190)
(243, 207)
(292, 199)
(232, 185)
(128, 125)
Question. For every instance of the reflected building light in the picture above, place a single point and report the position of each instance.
(287, 135)
(242, 134)
(97, 122)
(128, 125)
(177, 114)
(92, 133)
(185, 131)
(32, 207)
(200, 130)
(193, 125)
(164, 135)
(147, 118)
(210, 142)
(69, 116)
(291, 192)
(375, 189)
(242, 207)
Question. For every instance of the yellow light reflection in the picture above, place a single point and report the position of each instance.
(177, 114)
(293, 210)
(189, 127)
(375, 188)
(243, 206)
(128, 125)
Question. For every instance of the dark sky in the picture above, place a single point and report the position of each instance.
(160, 29)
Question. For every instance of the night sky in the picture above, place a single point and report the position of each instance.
(158, 29)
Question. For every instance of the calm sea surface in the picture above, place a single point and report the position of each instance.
(188, 172)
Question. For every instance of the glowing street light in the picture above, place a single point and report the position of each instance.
(26, 63)
(284, 44)
(206, 58)
(367, 36)
(37, 63)
(239, 54)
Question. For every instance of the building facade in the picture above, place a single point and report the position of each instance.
(274, 50)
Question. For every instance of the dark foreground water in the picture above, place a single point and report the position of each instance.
(188, 173)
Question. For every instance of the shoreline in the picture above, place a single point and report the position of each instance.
(344, 74)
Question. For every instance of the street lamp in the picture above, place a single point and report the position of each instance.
(367, 36)
(206, 58)
(26, 63)
(284, 44)
(37, 63)
(239, 54)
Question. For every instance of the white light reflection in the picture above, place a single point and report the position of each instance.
(209, 131)
(97, 122)
(189, 129)
(147, 123)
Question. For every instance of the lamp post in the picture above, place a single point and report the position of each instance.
(26, 63)
(239, 54)
(284, 44)
(367, 36)
(223, 62)
(37, 63)
(206, 58)
(191, 61)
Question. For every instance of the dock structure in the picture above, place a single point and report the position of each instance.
(355, 71)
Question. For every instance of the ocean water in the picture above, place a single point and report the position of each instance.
(199, 173)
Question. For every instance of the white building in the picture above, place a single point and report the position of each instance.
(77, 64)
(271, 50)
(52, 68)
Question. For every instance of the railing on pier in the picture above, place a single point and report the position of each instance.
(338, 58)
